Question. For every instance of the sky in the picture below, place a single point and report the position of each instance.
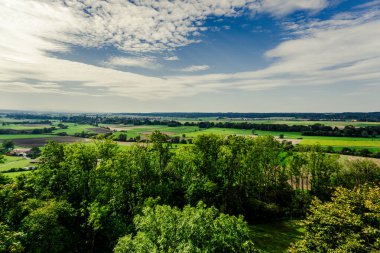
(190, 55)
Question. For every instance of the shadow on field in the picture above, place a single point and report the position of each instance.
(276, 236)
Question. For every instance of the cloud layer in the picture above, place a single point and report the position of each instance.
(345, 48)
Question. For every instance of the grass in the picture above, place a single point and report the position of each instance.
(14, 162)
(22, 127)
(16, 174)
(276, 236)
(22, 136)
(336, 142)
(220, 131)
(74, 128)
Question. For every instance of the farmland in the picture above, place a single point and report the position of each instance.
(69, 132)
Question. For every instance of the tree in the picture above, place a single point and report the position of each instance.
(8, 145)
(193, 229)
(348, 223)
(47, 227)
(10, 241)
(356, 173)
(34, 152)
(122, 137)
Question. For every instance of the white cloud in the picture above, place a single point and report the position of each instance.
(345, 49)
(172, 58)
(195, 68)
(282, 8)
(141, 62)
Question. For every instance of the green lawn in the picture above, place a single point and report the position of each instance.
(73, 128)
(14, 162)
(15, 174)
(276, 236)
(22, 136)
(345, 142)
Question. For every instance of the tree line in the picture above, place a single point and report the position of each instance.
(147, 198)
(28, 131)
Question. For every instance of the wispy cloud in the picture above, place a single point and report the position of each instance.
(344, 49)
(140, 62)
(195, 68)
(281, 8)
(172, 58)
(374, 3)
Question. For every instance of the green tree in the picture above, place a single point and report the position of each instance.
(356, 173)
(350, 222)
(194, 229)
(47, 227)
(10, 241)
(8, 145)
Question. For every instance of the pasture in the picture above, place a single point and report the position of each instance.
(14, 162)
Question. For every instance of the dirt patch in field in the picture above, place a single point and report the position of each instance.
(124, 127)
(294, 141)
(352, 158)
(99, 130)
(38, 142)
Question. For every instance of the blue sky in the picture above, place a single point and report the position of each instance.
(190, 55)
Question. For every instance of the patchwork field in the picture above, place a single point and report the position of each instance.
(40, 141)
(14, 162)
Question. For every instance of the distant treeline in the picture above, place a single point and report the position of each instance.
(40, 122)
(313, 130)
(28, 131)
(359, 116)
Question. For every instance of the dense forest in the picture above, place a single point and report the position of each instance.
(200, 198)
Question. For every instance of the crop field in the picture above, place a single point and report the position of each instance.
(74, 128)
(40, 141)
(24, 126)
(132, 131)
(336, 142)
(23, 136)
(145, 131)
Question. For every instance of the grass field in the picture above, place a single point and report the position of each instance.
(14, 162)
(74, 128)
(356, 143)
(373, 144)
(24, 127)
(22, 136)
(277, 236)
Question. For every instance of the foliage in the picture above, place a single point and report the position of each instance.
(358, 172)
(348, 223)
(8, 145)
(10, 241)
(84, 197)
(194, 229)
